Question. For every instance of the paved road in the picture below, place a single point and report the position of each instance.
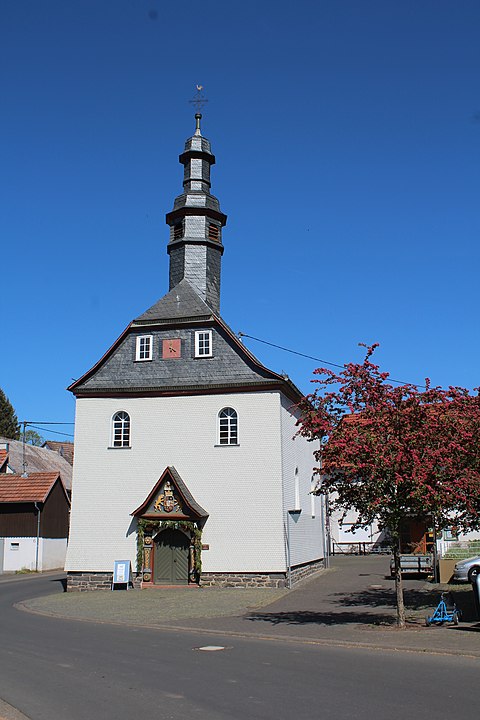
(56, 669)
(353, 603)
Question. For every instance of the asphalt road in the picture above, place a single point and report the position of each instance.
(53, 669)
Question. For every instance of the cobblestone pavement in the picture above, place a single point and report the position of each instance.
(352, 603)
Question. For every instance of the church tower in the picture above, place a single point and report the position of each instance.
(187, 461)
(196, 223)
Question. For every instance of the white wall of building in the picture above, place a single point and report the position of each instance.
(239, 486)
(341, 530)
(304, 528)
(21, 553)
(53, 552)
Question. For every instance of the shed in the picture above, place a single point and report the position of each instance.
(34, 518)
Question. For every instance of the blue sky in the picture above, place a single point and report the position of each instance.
(347, 138)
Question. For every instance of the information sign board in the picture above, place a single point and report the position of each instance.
(122, 573)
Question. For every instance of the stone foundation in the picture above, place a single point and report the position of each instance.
(302, 572)
(83, 581)
(233, 580)
(268, 580)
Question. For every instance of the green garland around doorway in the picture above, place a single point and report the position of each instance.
(155, 525)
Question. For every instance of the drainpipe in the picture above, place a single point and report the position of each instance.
(38, 535)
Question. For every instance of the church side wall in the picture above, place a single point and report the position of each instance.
(239, 486)
(305, 527)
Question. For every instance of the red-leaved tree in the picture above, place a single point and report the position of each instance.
(395, 453)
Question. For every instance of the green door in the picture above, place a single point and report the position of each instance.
(171, 558)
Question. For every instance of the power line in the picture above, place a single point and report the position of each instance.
(54, 432)
(35, 424)
(45, 422)
(311, 357)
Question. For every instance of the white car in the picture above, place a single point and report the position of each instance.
(467, 570)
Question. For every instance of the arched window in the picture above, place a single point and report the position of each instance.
(121, 429)
(297, 491)
(228, 427)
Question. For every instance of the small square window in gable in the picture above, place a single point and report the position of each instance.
(203, 343)
(144, 347)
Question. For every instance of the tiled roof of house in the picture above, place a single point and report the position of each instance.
(3, 458)
(38, 460)
(34, 488)
(64, 449)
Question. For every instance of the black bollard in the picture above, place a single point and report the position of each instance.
(476, 593)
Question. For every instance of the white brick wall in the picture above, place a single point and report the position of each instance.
(240, 487)
(306, 532)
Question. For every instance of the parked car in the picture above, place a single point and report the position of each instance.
(468, 569)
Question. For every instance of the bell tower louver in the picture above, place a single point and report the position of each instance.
(195, 247)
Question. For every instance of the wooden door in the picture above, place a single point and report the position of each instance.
(413, 537)
(171, 558)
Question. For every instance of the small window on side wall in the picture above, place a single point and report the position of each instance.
(121, 429)
(228, 427)
(144, 347)
(203, 343)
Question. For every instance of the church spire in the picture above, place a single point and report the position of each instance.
(196, 223)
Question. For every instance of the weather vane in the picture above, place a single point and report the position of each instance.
(199, 100)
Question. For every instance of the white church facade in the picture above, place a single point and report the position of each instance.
(186, 460)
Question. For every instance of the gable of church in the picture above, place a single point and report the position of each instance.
(173, 365)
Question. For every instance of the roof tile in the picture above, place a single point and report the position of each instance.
(34, 488)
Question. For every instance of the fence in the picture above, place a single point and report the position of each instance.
(359, 548)
(462, 549)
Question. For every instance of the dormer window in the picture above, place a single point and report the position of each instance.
(144, 347)
(203, 343)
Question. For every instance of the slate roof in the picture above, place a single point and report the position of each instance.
(38, 459)
(34, 488)
(231, 368)
(181, 303)
(187, 495)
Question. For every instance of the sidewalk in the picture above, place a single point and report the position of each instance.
(8, 577)
(351, 604)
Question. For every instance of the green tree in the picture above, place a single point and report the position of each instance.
(33, 438)
(395, 453)
(9, 426)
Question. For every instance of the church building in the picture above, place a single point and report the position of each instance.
(186, 461)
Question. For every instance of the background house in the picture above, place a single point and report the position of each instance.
(17, 458)
(64, 449)
(34, 516)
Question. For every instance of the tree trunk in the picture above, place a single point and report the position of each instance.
(398, 584)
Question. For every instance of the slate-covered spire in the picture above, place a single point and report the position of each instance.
(196, 223)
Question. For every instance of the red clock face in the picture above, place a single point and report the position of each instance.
(171, 349)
